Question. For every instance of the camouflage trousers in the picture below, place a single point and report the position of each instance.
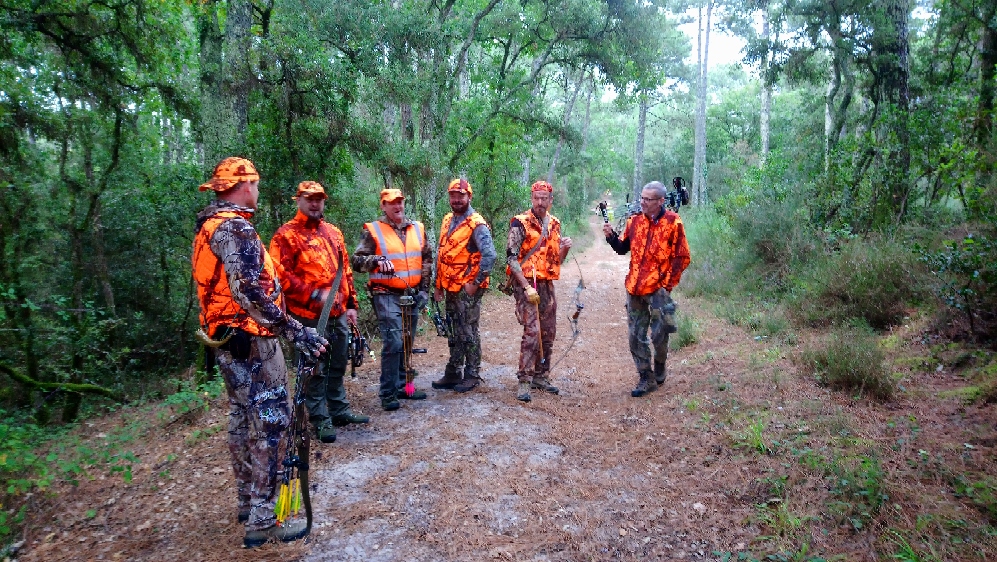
(654, 311)
(539, 330)
(259, 414)
(325, 393)
(464, 313)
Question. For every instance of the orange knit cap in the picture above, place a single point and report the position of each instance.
(460, 186)
(309, 188)
(541, 185)
(229, 172)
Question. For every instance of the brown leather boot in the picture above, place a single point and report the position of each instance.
(449, 381)
(543, 383)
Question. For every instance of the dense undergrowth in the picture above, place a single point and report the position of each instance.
(768, 269)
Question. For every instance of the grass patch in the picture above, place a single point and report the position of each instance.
(687, 334)
(877, 281)
(852, 361)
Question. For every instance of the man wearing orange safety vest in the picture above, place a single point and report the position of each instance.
(534, 253)
(311, 257)
(242, 309)
(464, 260)
(659, 253)
(394, 251)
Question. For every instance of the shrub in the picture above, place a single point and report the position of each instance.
(688, 332)
(968, 277)
(853, 361)
(876, 281)
(776, 236)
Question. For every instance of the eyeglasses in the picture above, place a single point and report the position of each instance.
(651, 199)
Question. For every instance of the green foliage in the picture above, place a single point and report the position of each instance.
(687, 334)
(982, 493)
(191, 397)
(858, 489)
(968, 275)
(852, 360)
(877, 281)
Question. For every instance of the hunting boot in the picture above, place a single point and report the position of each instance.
(325, 432)
(451, 378)
(390, 404)
(348, 417)
(469, 383)
(543, 383)
(659, 373)
(524, 392)
(289, 531)
(645, 385)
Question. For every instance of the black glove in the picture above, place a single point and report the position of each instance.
(421, 300)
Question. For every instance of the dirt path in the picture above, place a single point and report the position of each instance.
(591, 474)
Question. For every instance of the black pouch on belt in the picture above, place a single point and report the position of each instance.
(238, 345)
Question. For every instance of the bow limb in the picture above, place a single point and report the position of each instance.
(301, 438)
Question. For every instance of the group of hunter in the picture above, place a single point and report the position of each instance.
(250, 296)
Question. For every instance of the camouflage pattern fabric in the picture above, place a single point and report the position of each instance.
(259, 414)
(464, 312)
(649, 311)
(325, 393)
(536, 330)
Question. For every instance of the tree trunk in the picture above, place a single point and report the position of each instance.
(895, 71)
(639, 147)
(766, 109)
(564, 126)
(585, 139)
(699, 193)
(225, 78)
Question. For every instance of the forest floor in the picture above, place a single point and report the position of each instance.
(738, 452)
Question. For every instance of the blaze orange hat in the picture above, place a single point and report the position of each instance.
(460, 186)
(541, 185)
(309, 188)
(229, 172)
(389, 195)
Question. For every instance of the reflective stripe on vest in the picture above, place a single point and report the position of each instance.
(457, 266)
(218, 308)
(405, 256)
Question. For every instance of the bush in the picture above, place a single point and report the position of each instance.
(688, 332)
(876, 281)
(968, 277)
(852, 361)
(775, 237)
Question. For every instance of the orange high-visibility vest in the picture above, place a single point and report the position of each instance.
(218, 308)
(405, 255)
(546, 261)
(654, 247)
(312, 256)
(455, 265)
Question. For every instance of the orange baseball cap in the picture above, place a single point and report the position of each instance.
(389, 195)
(309, 188)
(229, 172)
(541, 185)
(460, 185)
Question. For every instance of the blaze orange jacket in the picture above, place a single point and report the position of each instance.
(659, 252)
(218, 308)
(455, 265)
(308, 253)
(546, 261)
(405, 255)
